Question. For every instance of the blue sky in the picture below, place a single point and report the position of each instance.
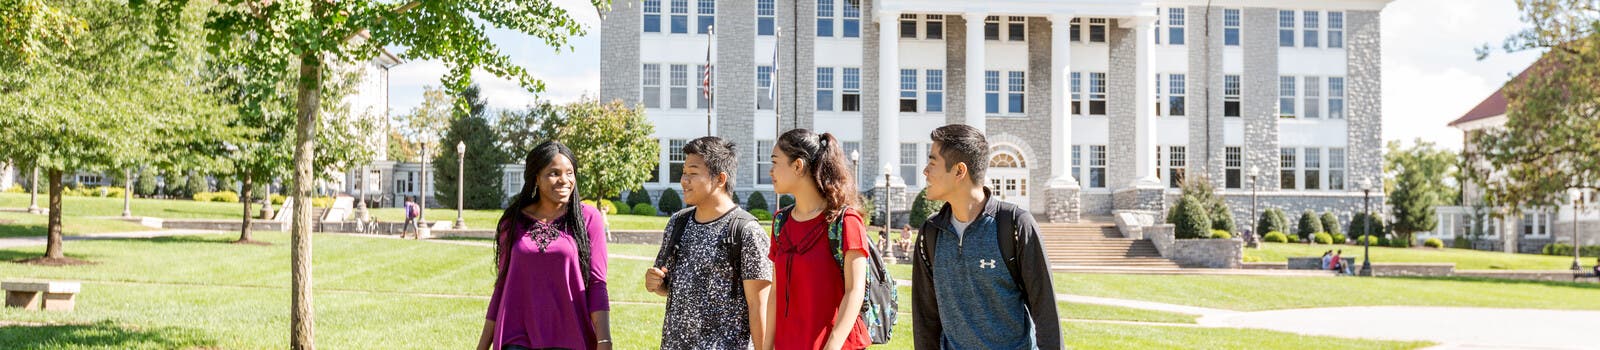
(1430, 73)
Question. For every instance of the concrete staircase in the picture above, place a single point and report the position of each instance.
(1098, 244)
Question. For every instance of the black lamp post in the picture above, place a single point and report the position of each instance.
(888, 208)
(1253, 172)
(1366, 229)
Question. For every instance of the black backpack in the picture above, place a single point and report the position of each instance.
(732, 242)
(880, 308)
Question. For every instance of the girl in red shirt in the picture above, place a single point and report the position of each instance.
(817, 304)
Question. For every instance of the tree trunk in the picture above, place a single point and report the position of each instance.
(308, 101)
(52, 246)
(247, 199)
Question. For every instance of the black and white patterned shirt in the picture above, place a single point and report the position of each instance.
(706, 306)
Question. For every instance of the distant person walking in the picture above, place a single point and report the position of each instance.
(412, 212)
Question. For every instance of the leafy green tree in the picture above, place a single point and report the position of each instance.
(481, 183)
(520, 130)
(32, 28)
(613, 143)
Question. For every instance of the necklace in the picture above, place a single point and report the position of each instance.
(543, 234)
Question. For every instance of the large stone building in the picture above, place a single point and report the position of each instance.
(1090, 106)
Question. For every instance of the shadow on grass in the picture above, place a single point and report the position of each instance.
(203, 214)
(208, 239)
(102, 335)
(1566, 284)
(19, 231)
(468, 239)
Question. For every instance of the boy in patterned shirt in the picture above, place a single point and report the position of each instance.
(713, 265)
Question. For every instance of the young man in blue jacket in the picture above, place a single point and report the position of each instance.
(979, 273)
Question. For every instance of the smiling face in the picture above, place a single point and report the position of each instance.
(556, 181)
(786, 172)
(943, 180)
(699, 184)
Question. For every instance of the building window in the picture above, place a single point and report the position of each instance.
(1285, 28)
(824, 89)
(851, 97)
(852, 18)
(1335, 97)
(1074, 34)
(1233, 163)
(1097, 166)
(1175, 26)
(935, 93)
(680, 86)
(652, 16)
(764, 87)
(1230, 27)
(1016, 28)
(1077, 162)
(1286, 97)
(991, 95)
(1097, 30)
(680, 16)
(675, 160)
(1286, 165)
(1335, 30)
(991, 28)
(1313, 171)
(703, 96)
(1311, 34)
(1336, 168)
(708, 15)
(1313, 98)
(908, 90)
(824, 18)
(934, 27)
(766, 17)
(1175, 94)
(909, 163)
(651, 90)
(764, 162)
(1077, 93)
(1097, 93)
(1017, 84)
(1173, 165)
(1230, 96)
(908, 26)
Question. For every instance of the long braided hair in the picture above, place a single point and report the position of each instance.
(540, 157)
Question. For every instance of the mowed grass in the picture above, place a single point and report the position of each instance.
(488, 219)
(161, 208)
(1256, 293)
(33, 225)
(1465, 259)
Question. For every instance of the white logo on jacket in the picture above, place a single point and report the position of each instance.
(986, 263)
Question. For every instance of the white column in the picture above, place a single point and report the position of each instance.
(1061, 175)
(1145, 127)
(977, 117)
(888, 95)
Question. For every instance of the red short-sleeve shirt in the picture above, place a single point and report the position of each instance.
(810, 283)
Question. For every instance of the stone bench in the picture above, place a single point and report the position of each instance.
(1315, 263)
(51, 296)
(1576, 276)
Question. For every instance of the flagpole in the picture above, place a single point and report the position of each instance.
(711, 96)
(777, 85)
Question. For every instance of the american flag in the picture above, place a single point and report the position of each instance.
(705, 77)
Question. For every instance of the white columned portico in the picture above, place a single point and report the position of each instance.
(1061, 175)
(977, 116)
(1144, 105)
(888, 96)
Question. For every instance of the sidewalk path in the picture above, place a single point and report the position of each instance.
(1451, 327)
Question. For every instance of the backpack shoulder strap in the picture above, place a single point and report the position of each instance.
(836, 238)
(678, 224)
(734, 241)
(1010, 242)
(778, 219)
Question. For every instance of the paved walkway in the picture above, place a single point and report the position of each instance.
(1451, 327)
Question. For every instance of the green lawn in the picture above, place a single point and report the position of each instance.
(1465, 259)
(200, 292)
(32, 225)
(1254, 293)
(161, 208)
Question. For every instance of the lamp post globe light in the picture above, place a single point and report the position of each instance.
(1366, 222)
(888, 210)
(461, 166)
(1253, 172)
(855, 165)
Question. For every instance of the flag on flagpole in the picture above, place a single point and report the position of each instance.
(772, 92)
(705, 79)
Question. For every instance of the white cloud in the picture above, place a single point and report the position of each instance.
(1431, 75)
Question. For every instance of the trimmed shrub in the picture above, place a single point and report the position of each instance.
(670, 202)
(1339, 238)
(225, 197)
(757, 201)
(202, 197)
(1322, 238)
(15, 189)
(322, 202)
(1271, 220)
(1220, 234)
(637, 197)
(1383, 240)
(1433, 243)
(277, 199)
(1309, 225)
(645, 209)
(1563, 249)
(1251, 259)
(1464, 243)
(1190, 219)
(1399, 243)
(922, 208)
(622, 208)
(1373, 222)
(590, 202)
(785, 201)
(1371, 240)
(1222, 218)
(761, 214)
(1330, 224)
(1275, 237)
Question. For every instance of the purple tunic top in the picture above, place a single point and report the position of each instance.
(544, 302)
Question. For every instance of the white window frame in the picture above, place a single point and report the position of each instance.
(1287, 97)
(1233, 167)
(933, 91)
(1310, 27)
(1097, 93)
(763, 162)
(1231, 20)
(764, 88)
(704, 9)
(1172, 23)
(1335, 30)
(650, 79)
(1004, 28)
(653, 8)
(1232, 90)
(1016, 101)
(1336, 166)
(1171, 164)
(1075, 103)
(824, 84)
(676, 157)
(921, 26)
(1311, 169)
(1288, 168)
(850, 86)
(909, 91)
(766, 12)
(679, 79)
(910, 161)
(1336, 106)
(1287, 26)
(1097, 161)
(825, 19)
(1312, 95)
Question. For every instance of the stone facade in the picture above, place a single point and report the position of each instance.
(619, 53)
(1365, 80)
(735, 78)
(1259, 90)
(1208, 253)
(955, 53)
(1205, 103)
(1342, 205)
(1120, 170)
(870, 130)
(801, 63)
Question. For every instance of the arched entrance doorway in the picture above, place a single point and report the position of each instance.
(1008, 175)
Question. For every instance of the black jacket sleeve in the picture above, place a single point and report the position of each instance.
(1039, 286)
(925, 327)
